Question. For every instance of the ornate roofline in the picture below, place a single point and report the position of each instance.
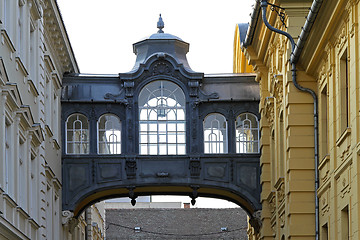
(56, 32)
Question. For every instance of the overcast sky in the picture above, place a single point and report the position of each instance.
(102, 32)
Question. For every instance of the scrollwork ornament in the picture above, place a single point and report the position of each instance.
(66, 217)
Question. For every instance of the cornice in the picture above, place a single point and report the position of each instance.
(55, 32)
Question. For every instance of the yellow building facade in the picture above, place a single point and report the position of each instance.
(328, 64)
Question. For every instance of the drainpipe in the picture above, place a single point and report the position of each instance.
(313, 94)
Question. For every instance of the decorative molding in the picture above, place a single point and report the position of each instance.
(195, 166)
(66, 217)
(324, 169)
(272, 202)
(280, 190)
(163, 67)
(269, 110)
(343, 136)
(342, 38)
(131, 167)
(32, 88)
(5, 39)
(255, 221)
(54, 31)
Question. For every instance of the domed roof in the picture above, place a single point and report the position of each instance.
(163, 35)
(161, 42)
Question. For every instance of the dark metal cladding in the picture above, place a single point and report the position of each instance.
(160, 57)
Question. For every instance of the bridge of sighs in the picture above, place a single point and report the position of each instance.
(161, 128)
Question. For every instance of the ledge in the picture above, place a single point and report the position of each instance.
(34, 223)
(358, 148)
(6, 39)
(324, 161)
(22, 212)
(32, 88)
(338, 171)
(342, 137)
(48, 130)
(20, 64)
(56, 144)
(9, 200)
(323, 188)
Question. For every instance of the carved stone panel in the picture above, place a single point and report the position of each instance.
(109, 171)
(216, 171)
(246, 176)
(78, 175)
(162, 168)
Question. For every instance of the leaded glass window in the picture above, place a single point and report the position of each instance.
(215, 134)
(109, 134)
(247, 133)
(77, 134)
(162, 119)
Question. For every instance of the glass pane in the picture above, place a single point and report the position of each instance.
(143, 127)
(162, 149)
(153, 149)
(143, 149)
(181, 127)
(153, 138)
(153, 127)
(143, 138)
(172, 149)
(181, 149)
(247, 133)
(181, 138)
(164, 103)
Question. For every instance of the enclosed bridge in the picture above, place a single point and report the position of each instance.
(160, 129)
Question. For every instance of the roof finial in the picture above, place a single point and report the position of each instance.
(160, 25)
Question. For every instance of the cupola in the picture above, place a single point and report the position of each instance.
(161, 43)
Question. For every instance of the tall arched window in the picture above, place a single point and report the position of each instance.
(109, 134)
(215, 134)
(77, 134)
(247, 133)
(162, 119)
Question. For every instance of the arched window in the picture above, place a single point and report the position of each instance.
(77, 134)
(109, 134)
(215, 134)
(247, 133)
(162, 119)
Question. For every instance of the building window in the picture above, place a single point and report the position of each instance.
(215, 134)
(109, 134)
(247, 133)
(344, 91)
(77, 134)
(324, 232)
(162, 119)
(345, 223)
(282, 146)
(324, 122)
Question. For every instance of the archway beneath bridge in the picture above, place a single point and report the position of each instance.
(192, 192)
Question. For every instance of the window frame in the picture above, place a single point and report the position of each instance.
(252, 142)
(88, 142)
(112, 143)
(224, 142)
(179, 146)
